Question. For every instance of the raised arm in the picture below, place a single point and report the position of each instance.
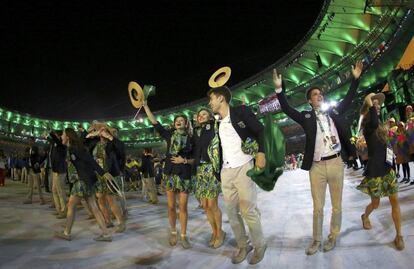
(286, 108)
(150, 116)
(350, 95)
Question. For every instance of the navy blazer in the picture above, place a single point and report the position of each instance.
(85, 165)
(377, 150)
(201, 144)
(247, 125)
(58, 153)
(307, 119)
(35, 159)
(182, 170)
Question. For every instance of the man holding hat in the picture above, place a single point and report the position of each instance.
(327, 134)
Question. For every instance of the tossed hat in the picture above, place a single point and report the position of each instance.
(379, 96)
(138, 95)
(220, 77)
(391, 119)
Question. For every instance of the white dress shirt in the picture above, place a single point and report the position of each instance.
(325, 149)
(231, 142)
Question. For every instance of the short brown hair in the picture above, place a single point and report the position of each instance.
(308, 91)
(223, 91)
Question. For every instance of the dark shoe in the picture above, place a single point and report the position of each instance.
(412, 182)
(399, 242)
(365, 222)
(313, 247)
(405, 180)
(62, 235)
(173, 239)
(185, 243)
(27, 201)
(110, 225)
(258, 255)
(219, 240)
(329, 244)
(103, 238)
(241, 254)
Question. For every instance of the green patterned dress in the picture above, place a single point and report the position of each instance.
(207, 185)
(174, 182)
(379, 186)
(380, 179)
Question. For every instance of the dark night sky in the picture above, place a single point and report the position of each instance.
(63, 60)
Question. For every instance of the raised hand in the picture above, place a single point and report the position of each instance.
(277, 79)
(260, 160)
(357, 69)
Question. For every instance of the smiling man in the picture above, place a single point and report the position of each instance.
(327, 134)
(242, 140)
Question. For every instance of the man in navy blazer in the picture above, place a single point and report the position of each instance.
(238, 127)
(35, 161)
(327, 134)
(57, 158)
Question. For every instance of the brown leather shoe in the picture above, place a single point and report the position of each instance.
(258, 255)
(313, 247)
(329, 244)
(365, 222)
(399, 242)
(241, 254)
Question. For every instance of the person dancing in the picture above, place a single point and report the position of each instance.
(177, 172)
(207, 159)
(380, 179)
(327, 135)
(242, 140)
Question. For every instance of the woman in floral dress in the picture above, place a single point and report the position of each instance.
(380, 179)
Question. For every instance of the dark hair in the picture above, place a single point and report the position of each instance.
(380, 132)
(223, 91)
(181, 116)
(74, 140)
(59, 132)
(309, 91)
